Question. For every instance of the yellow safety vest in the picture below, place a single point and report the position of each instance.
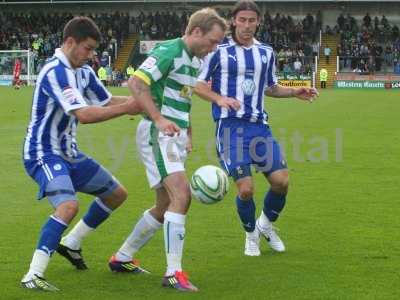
(102, 73)
(323, 75)
(130, 71)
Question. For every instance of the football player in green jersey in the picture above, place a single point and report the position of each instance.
(164, 84)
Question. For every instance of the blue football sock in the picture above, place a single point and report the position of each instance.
(273, 205)
(247, 213)
(51, 234)
(98, 212)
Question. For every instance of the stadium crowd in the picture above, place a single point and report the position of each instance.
(295, 42)
(41, 33)
(372, 45)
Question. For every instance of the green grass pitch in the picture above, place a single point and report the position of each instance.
(340, 225)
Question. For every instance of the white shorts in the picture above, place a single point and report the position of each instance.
(162, 155)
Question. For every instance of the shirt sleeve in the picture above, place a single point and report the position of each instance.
(210, 64)
(156, 65)
(95, 91)
(272, 79)
(61, 85)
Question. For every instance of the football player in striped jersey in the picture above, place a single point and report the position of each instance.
(244, 69)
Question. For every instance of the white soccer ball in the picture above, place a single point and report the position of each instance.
(209, 184)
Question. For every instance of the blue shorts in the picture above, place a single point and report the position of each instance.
(241, 143)
(59, 179)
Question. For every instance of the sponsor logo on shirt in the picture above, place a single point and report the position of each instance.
(149, 63)
(264, 59)
(248, 87)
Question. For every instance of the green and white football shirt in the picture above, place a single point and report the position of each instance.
(171, 72)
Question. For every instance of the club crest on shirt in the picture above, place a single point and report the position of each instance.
(83, 82)
(239, 170)
(186, 92)
(173, 157)
(248, 87)
(264, 59)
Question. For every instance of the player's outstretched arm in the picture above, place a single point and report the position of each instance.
(303, 93)
(96, 114)
(203, 90)
(115, 100)
(141, 92)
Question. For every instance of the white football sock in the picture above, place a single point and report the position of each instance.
(174, 234)
(253, 235)
(144, 230)
(38, 266)
(74, 238)
(263, 221)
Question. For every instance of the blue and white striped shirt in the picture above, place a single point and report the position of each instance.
(60, 89)
(241, 73)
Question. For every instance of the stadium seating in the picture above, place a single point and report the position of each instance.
(41, 33)
(368, 46)
(292, 40)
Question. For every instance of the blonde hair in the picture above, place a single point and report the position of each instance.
(205, 19)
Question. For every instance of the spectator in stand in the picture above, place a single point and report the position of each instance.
(104, 60)
(384, 22)
(108, 75)
(341, 21)
(396, 69)
(308, 54)
(388, 57)
(328, 30)
(120, 78)
(115, 77)
(308, 70)
(297, 67)
(327, 53)
(315, 49)
(281, 59)
(287, 70)
(367, 20)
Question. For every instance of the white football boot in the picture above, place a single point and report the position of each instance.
(265, 227)
(252, 246)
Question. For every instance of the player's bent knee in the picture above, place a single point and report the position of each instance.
(245, 188)
(120, 194)
(116, 198)
(67, 210)
(246, 192)
(281, 185)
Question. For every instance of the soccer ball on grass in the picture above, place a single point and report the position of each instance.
(209, 184)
